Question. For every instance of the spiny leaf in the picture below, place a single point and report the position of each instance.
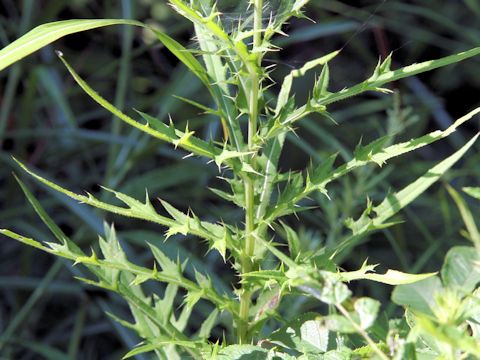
(208, 324)
(136, 209)
(24, 240)
(284, 107)
(393, 203)
(88, 260)
(391, 277)
(379, 156)
(185, 141)
(284, 94)
(411, 70)
(192, 298)
(110, 246)
(374, 84)
(167, 265)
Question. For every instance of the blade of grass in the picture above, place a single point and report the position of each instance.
(122, 78)
(47, 33)
(467, 216)
(20, 317)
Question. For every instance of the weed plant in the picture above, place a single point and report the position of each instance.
(246, 321)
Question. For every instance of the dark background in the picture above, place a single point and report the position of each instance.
(47, 122)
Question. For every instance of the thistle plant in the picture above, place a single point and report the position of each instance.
(256, 115)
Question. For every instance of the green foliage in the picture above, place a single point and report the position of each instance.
(229, 63)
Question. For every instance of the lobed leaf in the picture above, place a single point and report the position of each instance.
(139, 210)
(391, 277)
(375, 82)
(393, 203)
(154, 127)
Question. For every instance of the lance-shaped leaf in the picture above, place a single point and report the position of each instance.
(274, 146)
(376, 82)
(286, 9)
(391, 277)
(393, 203)
(467, 217)
(219, 89)
(136, 209)
(208, 293)
(47, 33)
(154, 127)
(319, 178)
(473, 192)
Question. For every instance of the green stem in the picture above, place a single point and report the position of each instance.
(249, 249)
(363, 333)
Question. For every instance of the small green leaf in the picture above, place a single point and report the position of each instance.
(315, 333)
(329, 290)
(294, 245)
(395, 202)
(419, 296)
(367, 310)
(208, 324)
(321, 84)
(242, 352)
(382, 67)
(461, 268)
(184, 140)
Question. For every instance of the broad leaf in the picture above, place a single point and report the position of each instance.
(419, 296)
(461, 268)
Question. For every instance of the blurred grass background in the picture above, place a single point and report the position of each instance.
(46, 121)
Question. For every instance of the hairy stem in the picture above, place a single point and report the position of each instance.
(249, 248)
